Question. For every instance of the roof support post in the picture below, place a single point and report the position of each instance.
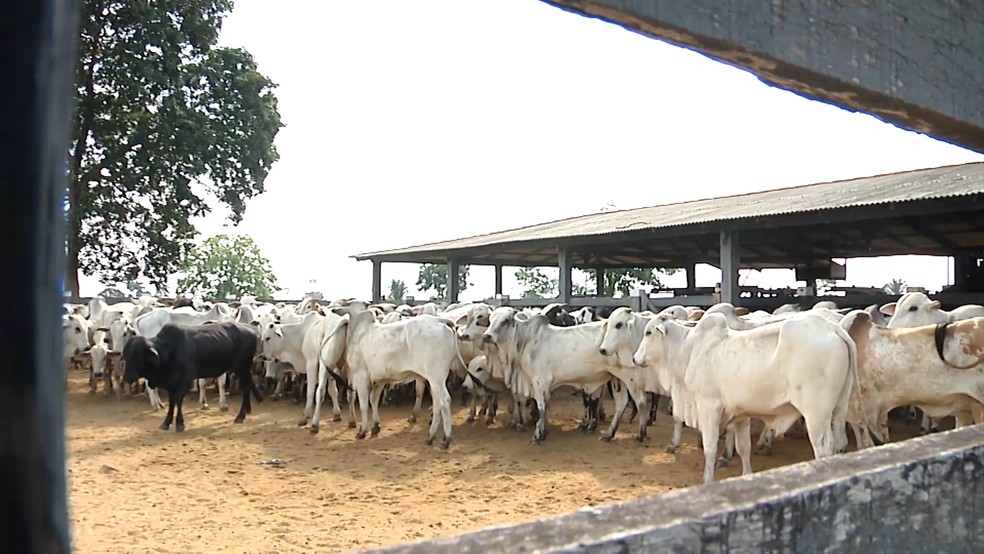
(453, 290)
(729, 267)
(963, 269)
(377, 281)
(498, 278)
(564, 281)
(691, 270)
(600, 281)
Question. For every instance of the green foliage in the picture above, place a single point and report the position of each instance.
(624, 280)
(536, 283)
(895, 287)
(159, 107)
(227, 265)
(435, 277)
(398, 289)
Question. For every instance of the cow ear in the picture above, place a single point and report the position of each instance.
(113, 354)
(153, 356)
(888, 309)
(340, 311)
(661, 328)
(279, 332)
(462, 320)
(739, 311)
(254, 323)
(935, 305)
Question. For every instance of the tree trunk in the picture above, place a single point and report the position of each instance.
(75, 184)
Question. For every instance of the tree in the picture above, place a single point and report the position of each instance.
(136, 289)
(398, 289)
(227, 265)
(895, 287)
(625, 280)
(159, 109)
(536, 283)
(435, 277)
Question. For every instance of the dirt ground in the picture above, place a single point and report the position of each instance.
(135, 488)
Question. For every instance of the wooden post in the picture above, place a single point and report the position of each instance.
(729, 267)
(498, 278)
(453, 280)
(377, 281)
(564, 281)
(600, 281)
(691, 270)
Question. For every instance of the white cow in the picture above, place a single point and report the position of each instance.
(100, 356)
(332, 333)
(915, 309)
(75, 337)
(938, 372)
(377, 354)
(548, 357)
(285, 342)
(802, 366)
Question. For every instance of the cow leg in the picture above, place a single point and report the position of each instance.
(108, 382)
(179, 424)
(710, 429)
(440, 403)
(155, 399)
(472, 406)
(312, 384)
(361, 384)
(419, 386)
(861, 437)
(319, 399)
(492, 402)
(223, 401)
(764, 444)
(642, 407)
(377, 394)
(729, 448)
(621, 396)
(202, 400)
(743, 443)
(336, 407)
(92, 382)
(350, 396)
(963, 419)
(675, 439)
(171, 401)
(540, 433)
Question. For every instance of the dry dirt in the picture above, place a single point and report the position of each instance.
(203, 490)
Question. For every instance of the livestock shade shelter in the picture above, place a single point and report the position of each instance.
(934, 211)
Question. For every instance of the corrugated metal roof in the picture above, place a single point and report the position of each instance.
(909, 186)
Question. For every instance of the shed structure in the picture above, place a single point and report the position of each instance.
(935, 211)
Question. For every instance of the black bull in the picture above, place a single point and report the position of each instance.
(178, 355)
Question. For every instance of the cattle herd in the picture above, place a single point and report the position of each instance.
(829, 368)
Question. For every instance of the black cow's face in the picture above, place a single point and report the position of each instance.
(140, 359)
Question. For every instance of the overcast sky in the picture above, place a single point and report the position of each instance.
(414, 122)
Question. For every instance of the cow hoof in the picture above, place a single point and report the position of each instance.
(203, 407)
(670, 449)
(351, 425)
(412, 419)
(606, 438)
(721, 463)
(489, 422)
(336, 417)
(179, 427)
(226, 409)
(164, 427)
(302, 422)
(470, 419)
(429, 441)
(360, 435)
(445, 444)
(249, 409)
(641, 438)
(536, 442)
(92, 391)
(314, 429)
(375, 429)
(239, 420)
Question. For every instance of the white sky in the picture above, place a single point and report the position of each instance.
(414, 122)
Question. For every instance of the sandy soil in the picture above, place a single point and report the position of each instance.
(336, 493)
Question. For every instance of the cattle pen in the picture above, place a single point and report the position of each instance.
(935, 211)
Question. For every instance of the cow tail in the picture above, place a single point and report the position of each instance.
(852, 354)
(334, 375)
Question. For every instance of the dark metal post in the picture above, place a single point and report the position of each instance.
(691, 270)
(453, 270)
(564, 281)
(377, 281)
(729, 267)
(38, 54)
(498, 278)
(600, 281)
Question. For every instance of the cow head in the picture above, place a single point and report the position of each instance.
(502, 323)
(140, 359)
(271, 341)
(914, 309)
(76, 332)
(473, 325)
(619, 334)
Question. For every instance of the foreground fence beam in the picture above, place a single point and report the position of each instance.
(921, 495)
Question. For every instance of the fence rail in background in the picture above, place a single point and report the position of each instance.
(921, 495)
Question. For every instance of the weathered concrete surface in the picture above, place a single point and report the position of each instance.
(921, 495)
(919, 65)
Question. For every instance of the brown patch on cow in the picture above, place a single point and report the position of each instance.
(739, 311)
(973, 331)
(695, 315)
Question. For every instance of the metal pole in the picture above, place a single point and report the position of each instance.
(564, 281)
(729, 267)
(498, 278)
(377, 281)
(453, 291)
